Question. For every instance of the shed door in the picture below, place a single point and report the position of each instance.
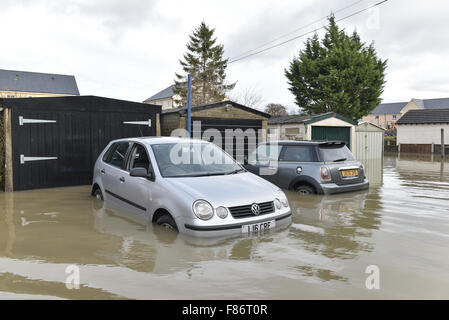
(332, 134)
(234, 124)
(59, 148)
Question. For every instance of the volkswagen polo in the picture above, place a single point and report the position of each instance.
(188, 185)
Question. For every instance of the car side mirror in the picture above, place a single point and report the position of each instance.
(139, 172)
(142, 173)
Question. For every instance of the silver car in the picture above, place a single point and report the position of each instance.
(188, 185)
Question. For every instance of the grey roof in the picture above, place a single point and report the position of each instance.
(166, 93)
(23, 81)
(440, 103)
(389, 108)
(425, 116)
(396, 107)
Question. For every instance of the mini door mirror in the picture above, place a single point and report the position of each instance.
(139, 172)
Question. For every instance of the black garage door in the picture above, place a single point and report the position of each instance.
(56, 141)
(229, 124)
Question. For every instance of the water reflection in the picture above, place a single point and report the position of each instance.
(401, 225)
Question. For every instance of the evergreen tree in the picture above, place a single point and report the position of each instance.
(204, 61)
(339, 73)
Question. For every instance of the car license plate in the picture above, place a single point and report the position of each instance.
(350, 173)
(257, 227)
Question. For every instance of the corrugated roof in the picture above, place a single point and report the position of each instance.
(23, 81)
(166, 93)
(298, 118)
(183, 110)
(425, 116)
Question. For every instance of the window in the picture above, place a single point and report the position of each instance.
(377, 117)
(116, 154)
(139, 158)
(337, 152)
(394, 117)
(266, 152)
(299, 154)
(291, 131)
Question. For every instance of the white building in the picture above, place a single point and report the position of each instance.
(419, 131)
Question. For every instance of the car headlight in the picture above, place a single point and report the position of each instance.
(283, 198)
(222, 212)
(277, 203)
(203, 209)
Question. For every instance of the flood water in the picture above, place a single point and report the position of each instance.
(401, 226)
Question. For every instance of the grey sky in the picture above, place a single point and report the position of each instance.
(130, 49)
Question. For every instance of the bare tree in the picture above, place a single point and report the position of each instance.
(276, 109)
(249, 97)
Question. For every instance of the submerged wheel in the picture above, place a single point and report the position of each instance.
(167, 222)
(305, 190)
(98, 194)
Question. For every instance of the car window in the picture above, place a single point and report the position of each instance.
(139, 157)
(108, 153)
(337, 152)
(266, 152)
(299, 154)
(118, 154)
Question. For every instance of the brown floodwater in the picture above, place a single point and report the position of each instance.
(401, 226)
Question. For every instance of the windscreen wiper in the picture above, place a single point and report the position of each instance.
(236, 171)
(339, 160)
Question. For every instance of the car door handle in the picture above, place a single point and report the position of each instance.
(102, 171)
(122, 179)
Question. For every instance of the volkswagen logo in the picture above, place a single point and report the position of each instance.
(255, 209)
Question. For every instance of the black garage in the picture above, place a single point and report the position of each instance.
(222, 116)
(55, 141)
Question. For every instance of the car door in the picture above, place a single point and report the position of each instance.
(137, 190)
(294, 161)
(264, 162)
(113, 171)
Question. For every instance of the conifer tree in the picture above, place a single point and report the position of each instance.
(204, 61)
(339, 73)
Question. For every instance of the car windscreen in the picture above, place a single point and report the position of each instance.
(193, 160)
(335, 153)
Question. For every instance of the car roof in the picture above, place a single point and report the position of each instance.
(303, 143)
(160, 140)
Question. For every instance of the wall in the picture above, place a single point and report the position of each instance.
(383, 121)
(170, 122)
(17, 94)
(331, 122)
(279, 131)
(422, 133)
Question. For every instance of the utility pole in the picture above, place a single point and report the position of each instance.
(189, 104)
(442, 143)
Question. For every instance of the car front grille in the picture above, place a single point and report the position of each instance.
(245, 211)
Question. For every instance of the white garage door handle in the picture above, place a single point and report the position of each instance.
(23, 121)
(24, 159)
(145, 123)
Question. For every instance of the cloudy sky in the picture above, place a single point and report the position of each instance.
(130, 49)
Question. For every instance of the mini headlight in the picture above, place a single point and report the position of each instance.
(277, 203)
(222, 212)
(203, 209)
